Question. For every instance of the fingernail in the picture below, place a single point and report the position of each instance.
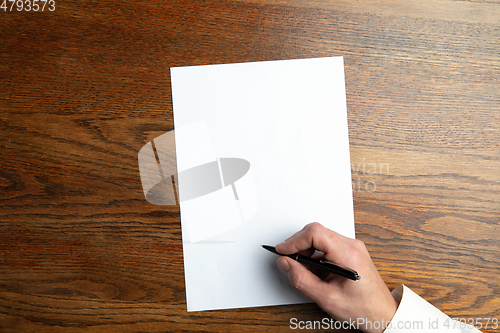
(283, 265)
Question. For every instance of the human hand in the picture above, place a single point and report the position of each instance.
(368, 298)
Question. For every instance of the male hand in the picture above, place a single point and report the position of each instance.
(368, 298)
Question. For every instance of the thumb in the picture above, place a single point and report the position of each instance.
(302, 279)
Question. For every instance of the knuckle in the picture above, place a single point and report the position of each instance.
(314, 227)
(359, 251)
(359, 244)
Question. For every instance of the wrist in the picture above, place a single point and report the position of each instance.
(383, 316)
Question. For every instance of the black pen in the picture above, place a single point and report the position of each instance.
(321, 264)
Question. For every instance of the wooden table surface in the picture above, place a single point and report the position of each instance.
(84, 87)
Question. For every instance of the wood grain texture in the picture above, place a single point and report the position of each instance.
(85, 87)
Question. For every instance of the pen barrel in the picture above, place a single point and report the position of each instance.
(328, 267)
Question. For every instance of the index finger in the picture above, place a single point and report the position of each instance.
(313, 235)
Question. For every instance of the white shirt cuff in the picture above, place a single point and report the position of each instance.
(414, 314)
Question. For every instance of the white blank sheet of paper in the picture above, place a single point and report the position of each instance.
(268, 143)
